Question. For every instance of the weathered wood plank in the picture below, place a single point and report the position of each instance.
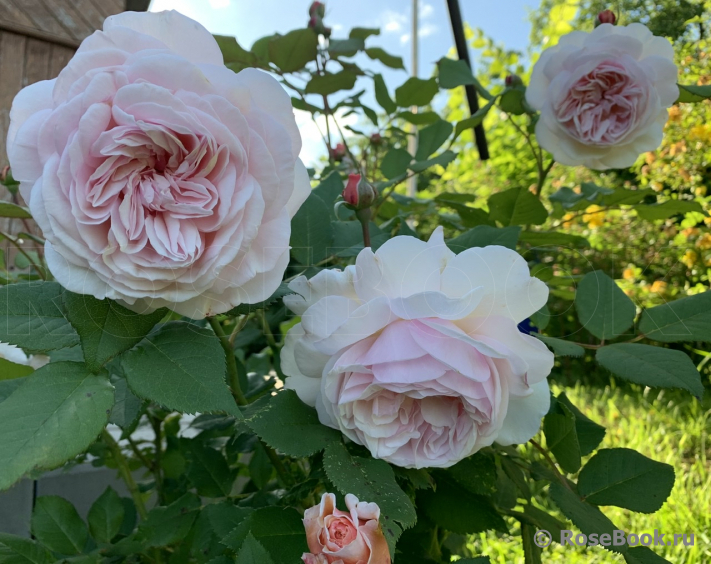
(12, 70)
(72, 20)
(11, 13)
(91, 14)
(43, 17)
(37, 55)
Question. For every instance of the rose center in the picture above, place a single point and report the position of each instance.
(601, 106)
(341, 531)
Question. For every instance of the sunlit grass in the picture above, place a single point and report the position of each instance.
(670, 427)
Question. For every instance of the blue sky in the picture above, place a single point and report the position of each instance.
(504, 20)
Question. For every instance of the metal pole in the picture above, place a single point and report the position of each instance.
(412, 140)
(455, 16)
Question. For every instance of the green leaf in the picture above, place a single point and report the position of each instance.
(8, 209)
(431, 138)
(253, 553)
(687, 319)
(644, 555)
(373, 481)
(56, 414)
(603, 308)
(419, 118)
(127, 407)
(544, 521)
(454, 73)
(182, 367)
(57, 525)
(667, 209)
(416, 92)
(382, 96)
(106, 329)
(17, 550)
(553, 239)
(345, 47)
(10, 370)
(517, 206)
(236, 58)
(477, 560)
(395, 163)
(562, 438)
(292, 51)
(32, 317)
(311, 236)
(330, 188)
(363, 32)
(483, 235)
(106, 516)
(476, 474)
(329, 83)
(290, 426)
(693, 93)
(651, 366)
(588, 518)
(477, 118)
(531, 551)
(378, 54)
(513, 101)
(561, 347)
(279, 293)
(625, 478)
(169, 525)
(443, 159)
(208, 471)
(458, 510)
(279, 530)
(589, 433)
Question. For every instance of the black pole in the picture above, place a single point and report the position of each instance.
(455, 17)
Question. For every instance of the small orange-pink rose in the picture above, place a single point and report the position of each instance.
(340, 537)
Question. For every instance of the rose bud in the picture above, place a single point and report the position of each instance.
(513, 80)
(606, 16)
(359, 193)
(317, 9)
(352, 537)
(338, 152)
(376, 139)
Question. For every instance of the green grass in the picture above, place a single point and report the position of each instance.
(670, 427)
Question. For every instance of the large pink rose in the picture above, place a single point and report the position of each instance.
(603, 95)
(340, 537)
(415, 353)
(158, 176)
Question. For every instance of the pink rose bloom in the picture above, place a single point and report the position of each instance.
(603, 95)
(415, 353)
(158, 176)
(339, 537)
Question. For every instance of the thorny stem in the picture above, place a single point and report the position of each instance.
(238, 327)
(16, 244)
(231, 361)
(125, 473)
(137, 451)
(158, 444)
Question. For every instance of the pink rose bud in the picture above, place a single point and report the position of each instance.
(376, 139)
(606, 16)
(317, 9)
(513, 80)
(347, 537)
(313, 22)
(339, 152)
(359, 193)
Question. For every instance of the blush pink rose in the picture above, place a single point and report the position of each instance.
(340, 537)
(603, 95)
(415, 353)
(158, 176)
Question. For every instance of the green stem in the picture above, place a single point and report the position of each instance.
(125, 473)
(550, 462)
(158, 443)
(231, 361)
(284, 476)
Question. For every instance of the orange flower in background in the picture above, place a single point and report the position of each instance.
(568, 219)
(674, 113)
(594, 216)
(658, 287)
(628, 274)
(690, 232)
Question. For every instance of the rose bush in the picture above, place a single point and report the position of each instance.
(415, 353)
(603, 95)
(344, 537)
(158, 176)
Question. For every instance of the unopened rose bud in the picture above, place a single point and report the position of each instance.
(359, 193)
(317, 9)
(313, 22)
(326, 32)
(513, 80)
(606, 16)
(338, 152)
(376, 139)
